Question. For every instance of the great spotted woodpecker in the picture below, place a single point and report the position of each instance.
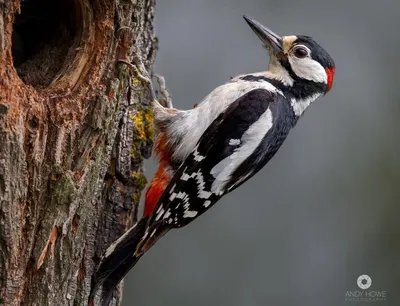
(209, 151)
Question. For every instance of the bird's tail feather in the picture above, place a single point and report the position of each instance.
(118, 259)
(115, 277)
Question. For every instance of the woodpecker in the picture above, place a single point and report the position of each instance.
(210, 150)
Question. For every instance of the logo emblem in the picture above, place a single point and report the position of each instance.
(364, 281)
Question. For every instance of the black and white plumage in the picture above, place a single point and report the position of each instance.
(228, 138)
(237, 144)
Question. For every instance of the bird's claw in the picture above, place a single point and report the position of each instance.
(140, 72)
(164, 97)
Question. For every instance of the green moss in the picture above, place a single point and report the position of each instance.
(142, 121)
(139, 179)
(62, 190)
(143, 131)
(123, 72)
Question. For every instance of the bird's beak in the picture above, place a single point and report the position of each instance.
(270, 39)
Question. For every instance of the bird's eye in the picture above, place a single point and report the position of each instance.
(300, 52)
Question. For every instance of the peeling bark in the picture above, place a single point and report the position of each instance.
(73, 137)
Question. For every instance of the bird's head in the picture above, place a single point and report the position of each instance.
(296, 59)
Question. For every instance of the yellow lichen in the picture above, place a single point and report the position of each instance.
(142, 120)
(136, 196)
(139, 179)
(137, 86)
(135, 82)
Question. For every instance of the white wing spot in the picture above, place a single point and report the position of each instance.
(186, 205)
(167, 214)
(181, 195)
(201, 193)
(234, 142)
(204, 194)
(197, 156)
(172, 189)
(185, 177)
(190, 214)
(159, 214)
(172, 196)
(159, 209)
(207, 203)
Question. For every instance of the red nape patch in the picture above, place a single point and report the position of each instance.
(330, 73)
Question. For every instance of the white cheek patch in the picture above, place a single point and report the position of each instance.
(309, 69)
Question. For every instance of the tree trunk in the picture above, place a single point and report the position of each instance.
(74, 129)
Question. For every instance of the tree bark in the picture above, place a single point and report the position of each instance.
(75, 126)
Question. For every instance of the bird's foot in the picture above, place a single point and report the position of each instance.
(163, 95)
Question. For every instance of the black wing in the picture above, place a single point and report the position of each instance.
(233, 148)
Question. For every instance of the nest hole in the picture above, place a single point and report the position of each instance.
(44, 34)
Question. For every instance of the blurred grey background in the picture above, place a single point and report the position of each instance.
(326, 209)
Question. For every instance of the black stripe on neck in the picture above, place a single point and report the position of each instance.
(300, 90)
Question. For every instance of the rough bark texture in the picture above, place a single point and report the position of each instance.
(72, 140)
